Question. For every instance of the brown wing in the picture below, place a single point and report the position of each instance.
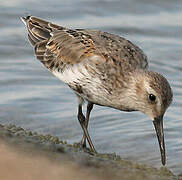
(57, 47)
(117, 50)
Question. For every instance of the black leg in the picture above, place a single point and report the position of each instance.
(82, 121)
(89, 109)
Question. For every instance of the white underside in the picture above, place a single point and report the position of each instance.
(78, 75)
(72, 74)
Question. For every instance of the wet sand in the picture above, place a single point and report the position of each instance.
(27, 155)
(17, 166)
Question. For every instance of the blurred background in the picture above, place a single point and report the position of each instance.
(33, 98)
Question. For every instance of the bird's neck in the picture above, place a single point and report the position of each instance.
(128, 97)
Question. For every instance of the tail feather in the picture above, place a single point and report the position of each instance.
(55, 46)
(40, 50)
(31, 39)
(39, 34)
(38, 29)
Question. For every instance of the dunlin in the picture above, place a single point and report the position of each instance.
(102, 69)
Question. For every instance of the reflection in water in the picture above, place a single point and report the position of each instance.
(33, 98)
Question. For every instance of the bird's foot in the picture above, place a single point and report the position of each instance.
(84, 147)
(80, 145)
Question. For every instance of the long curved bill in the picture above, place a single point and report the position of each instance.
(158, 124)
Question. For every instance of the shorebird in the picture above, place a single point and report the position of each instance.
(102, 69)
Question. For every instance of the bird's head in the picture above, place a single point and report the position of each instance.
(153, 95)
(154, 91)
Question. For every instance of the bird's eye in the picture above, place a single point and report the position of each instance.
(152, 97)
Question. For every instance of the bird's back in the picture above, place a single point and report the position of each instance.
(56, 46)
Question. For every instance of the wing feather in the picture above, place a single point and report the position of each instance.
(57, 47)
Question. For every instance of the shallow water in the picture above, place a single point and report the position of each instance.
(33, 98)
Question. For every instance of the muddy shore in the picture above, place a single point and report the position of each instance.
(26, 154)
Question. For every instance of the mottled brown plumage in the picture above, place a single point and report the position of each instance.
(58, 45)
(103, 69)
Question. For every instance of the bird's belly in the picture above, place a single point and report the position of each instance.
(91, 92)
(85, 84)
(91, 96)
(90, 87)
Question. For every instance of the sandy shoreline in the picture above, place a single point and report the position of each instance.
(30, 155)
